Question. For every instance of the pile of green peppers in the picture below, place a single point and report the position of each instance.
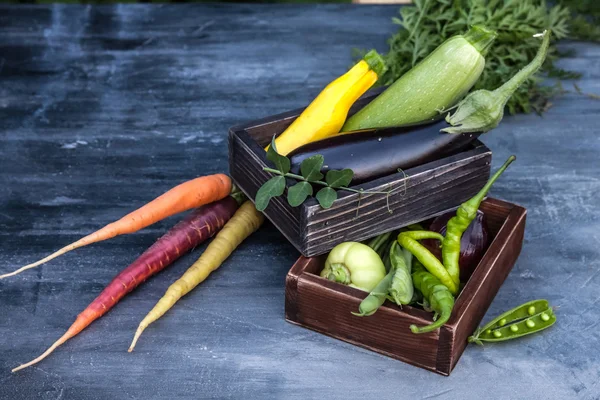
(397, 267)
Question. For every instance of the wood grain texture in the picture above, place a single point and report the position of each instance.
(325, 306)
(480, 290)
(415, 194)
(151, 91)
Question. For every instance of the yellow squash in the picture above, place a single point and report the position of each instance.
(326, 115)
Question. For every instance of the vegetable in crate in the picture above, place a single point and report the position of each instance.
(354, 264)
(328, 111)
(523, 320)
(448, 272)
(188, 195)
(473, 243)
(242, 224)
(437, 295)
(380, 244)
(458, 224)
(377, 297)
(200, 225)
(409, 241)
(435, 84)
(396, 285)
(374, 153)
(401, 290)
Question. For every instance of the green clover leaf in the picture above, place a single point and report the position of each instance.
(338, 179)
(326, 197)
(282, 163)
(311, 168)
(298, 193)
(272, 188)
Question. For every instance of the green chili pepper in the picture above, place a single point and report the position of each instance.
(458, 224)
(401, 289)
(421, 234)
(523, 320)
(408, 240)
(377, 297)
(437, 295)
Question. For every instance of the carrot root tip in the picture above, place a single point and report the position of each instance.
(137, 335)
(41, 357)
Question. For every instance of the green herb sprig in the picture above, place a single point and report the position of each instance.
(585, 19)
(311, 174)
(428, 23)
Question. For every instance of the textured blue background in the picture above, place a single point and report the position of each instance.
(103, 108)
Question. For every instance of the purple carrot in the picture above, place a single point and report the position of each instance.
(197, 227)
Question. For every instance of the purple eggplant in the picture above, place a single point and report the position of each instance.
(473, 243)
(373, 153)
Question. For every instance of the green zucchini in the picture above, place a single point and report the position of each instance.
(435, 84)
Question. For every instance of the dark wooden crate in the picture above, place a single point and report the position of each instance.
(419, 192)
(325, 306)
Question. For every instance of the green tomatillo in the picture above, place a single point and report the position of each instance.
(354, 264)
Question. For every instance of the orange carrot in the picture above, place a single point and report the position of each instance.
(197, 227)
(190, 194)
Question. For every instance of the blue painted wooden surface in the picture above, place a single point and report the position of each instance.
(103, 108)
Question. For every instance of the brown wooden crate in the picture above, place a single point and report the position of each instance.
(325, 306)
(431, 189)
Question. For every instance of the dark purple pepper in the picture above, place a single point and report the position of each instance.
(473, 244)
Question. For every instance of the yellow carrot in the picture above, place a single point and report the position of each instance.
(244, 222)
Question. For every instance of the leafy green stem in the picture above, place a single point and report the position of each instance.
(310, 168)
(301, 178)
(288, 175)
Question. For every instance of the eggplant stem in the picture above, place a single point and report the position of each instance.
(509, 87)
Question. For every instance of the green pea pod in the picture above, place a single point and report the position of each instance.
(530, 325)
(523, 320)
(408, 257)
(378, 243)
(458, 224)
(376, 298)
(520, 312)
(437, 295)
(386, 261)
(401, 290)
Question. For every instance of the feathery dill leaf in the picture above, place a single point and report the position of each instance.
(585, 21)
(427, 23)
